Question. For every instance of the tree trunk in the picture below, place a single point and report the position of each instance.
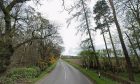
(112, 43)
(133, 48)
(129, 64)
(5, 55)
(7, 19)
(89, 33)
(109, 59)
(6, 46)
(136, 37)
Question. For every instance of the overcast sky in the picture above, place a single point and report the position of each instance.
(52, 10)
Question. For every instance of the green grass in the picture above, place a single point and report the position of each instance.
(44, 73)
(93, 75)
(25, 75)
(137, 78)
(124, 75)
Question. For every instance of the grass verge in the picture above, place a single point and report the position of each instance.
(93, 75)
(124, 75)
(44, 73)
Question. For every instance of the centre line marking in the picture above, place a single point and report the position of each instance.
(65, 76)
(65, 73)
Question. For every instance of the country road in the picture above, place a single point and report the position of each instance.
(65, 74)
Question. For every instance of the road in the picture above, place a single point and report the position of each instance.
(65, 74)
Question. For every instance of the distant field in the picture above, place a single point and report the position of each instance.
(75, 60)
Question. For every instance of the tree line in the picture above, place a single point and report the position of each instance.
(125, 16)
(26, 37)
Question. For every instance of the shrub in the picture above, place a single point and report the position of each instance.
(37, 69)
(42, 64)
(5, 80)
(21, 73)
(18, 74)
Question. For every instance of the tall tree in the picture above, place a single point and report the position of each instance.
(132, 45)
(102, 12)
(132, 26)
(83, 15)
(129, 64)
(102, 28)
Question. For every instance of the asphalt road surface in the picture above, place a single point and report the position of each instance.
(65, 74)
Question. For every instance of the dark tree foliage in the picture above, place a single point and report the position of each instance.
(23, 26)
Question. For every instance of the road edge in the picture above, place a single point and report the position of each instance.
(80, 69)
(44, 73)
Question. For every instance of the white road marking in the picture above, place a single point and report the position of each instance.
(65, 72)
(65, 75)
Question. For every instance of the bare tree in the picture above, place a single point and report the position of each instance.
(83, 14)
(26, 28)
(129, 65)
